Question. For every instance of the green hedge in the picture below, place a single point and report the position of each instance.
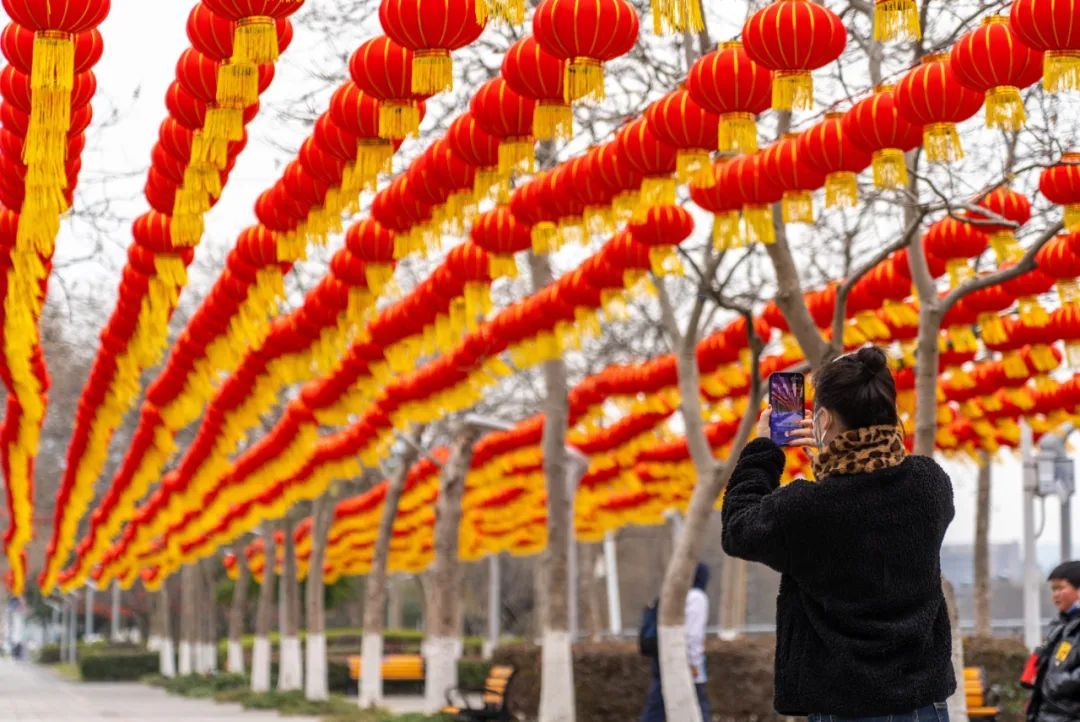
(117, 666)
(1003, 659)
(48, 654)
(348, 641)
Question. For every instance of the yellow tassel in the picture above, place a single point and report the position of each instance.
(677, 16)
(890, 168)
(373, 156)
(53, 61)
(1061, 71)
(1005, 246)
(255, 40)
(959, 270)
(502, 266)
(792, 90)
(1068, 292)
(655, 191)
(237, 85)
(726, 232)
(737, 133)
(942, 144)
(553, 121)
(758, 224)
(432, 71)
(207, 149)
(841, 190)
(186, 229)
(599, 220)
(545, 237)
(693, 166)
(992, 328)
(224, 124)
(663, 261)
(584, 81)
(510, 12)
(1014, 365)
(797, 207)
(517, 155)
(1072, 217)
(1032, 314)
(398, 120)
(1005, 108)
(896, 20)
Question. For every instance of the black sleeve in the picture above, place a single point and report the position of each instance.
(753, 529)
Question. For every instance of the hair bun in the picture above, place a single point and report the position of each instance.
(872, 358)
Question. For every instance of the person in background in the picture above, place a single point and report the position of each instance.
(697, 619)
(862, 630)
(1054, 670)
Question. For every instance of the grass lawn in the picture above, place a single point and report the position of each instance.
(67, 671)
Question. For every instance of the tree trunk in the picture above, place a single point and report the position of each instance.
(317, 682)
(208, 570)
(790, 300)
(375, 598)
(188, 620)
(291, 666)
(393, 603)
(982, 549)
(443, 645)
(166, 652)
(354, 608)
(234, 664)
(591, 612)
(732, 597)
(114, 613)
(926, 379)
(264, 616)
(557, 669)
(958, 700)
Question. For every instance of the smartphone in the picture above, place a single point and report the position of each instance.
(787, 397)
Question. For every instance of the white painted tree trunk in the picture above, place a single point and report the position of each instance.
(982, 548)
(185, 665)
(291, 669)
(234, 660)
(557, 672)
(441, 656)
(153, 643)
(260, 665)
(167, 658)
(371, 647)
(375, 585)
(316, 682)
(675, 676)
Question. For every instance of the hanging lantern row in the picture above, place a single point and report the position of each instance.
(215, 94)
(45, 94)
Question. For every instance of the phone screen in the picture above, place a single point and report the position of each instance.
(787, 396)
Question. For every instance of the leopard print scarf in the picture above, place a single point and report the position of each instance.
(860, 451)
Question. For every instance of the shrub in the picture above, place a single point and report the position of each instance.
(611, 679)
(48, 654)
(102, 666)
(1003, 659)
(472, 672)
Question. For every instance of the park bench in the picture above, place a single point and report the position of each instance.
(980, 700)
(395, 668)
(493, 701)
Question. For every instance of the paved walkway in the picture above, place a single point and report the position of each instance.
(32, 692)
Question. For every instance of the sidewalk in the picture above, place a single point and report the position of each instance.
(32, 692)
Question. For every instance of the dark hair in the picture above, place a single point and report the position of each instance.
(859, 388)
(701, 577)
(1069, 571)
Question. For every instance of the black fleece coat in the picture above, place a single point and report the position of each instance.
(861, 623)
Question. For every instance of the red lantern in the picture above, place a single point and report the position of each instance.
(477, 148)
(663, 228)
(256, 38)
(531, 71)
(1052, 26)
(793, 38)
(745, 178)
(931, 96)
(617, 173)
(358, 114)
(383, 69)
(1060, 258)
(725, 209)
(730, 84)
(372, 243)
(214, 35)
(678, 121)
(1060, 184)
(1027, 287)
(786, 170)
(587, 184)
(530, 206)
(587, 33)
(828, 149)
(956, 241)
(1012, 206)
(651, 157)
(875, 125)
(17, 44)
(507, 115)
(502, 235)
(993, 60)
(431, 29)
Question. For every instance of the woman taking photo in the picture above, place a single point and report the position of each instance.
(862, 630)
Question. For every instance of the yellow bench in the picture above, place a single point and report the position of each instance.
(493, 702)
(979, 707)
(395, 667)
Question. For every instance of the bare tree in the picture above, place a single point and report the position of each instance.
(982, 548)
(316, 681)
(234, 663)
(264, 616)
